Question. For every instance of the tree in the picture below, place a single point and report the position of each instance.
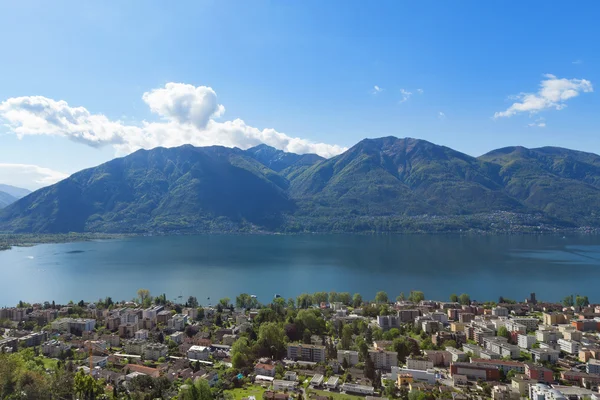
(87, 387)
(401, 297)
(357, 300)
(416, 296)
(465, 299)
(271, 339)
(143, 294)
(320, 297)
(333, 296)
(304, 301)
(306, 337)
(451, 343)
(241, 353)
(224, 302)
(345, 298)
(345, 364)
(502, 331)
(346, 341)
(390, 388)
(568, 301)
(454, 298)
(192, 302)
(582, 301)
(369, 368)
(381, 297)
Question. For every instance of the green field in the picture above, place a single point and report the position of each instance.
(335, 395)
(254, 390)
(49, 363)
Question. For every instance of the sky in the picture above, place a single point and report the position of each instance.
(84, 82)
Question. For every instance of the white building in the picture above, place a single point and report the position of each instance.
(456, 354)
(198, 353)
(177, 322)
(540, 391)
(417, 375)
(526, 341)
(358, 389)
(317, 380)
(544, 355)
(422, 364)
(569, 346)
(154, 351)
(306, 352)
(281, 385)
(134, 346)
(500, 311)
(333, 382)
(177, 337)
(350, 356)
(529, 322)
(142, 334)
(54, 348)
(386, 322)
(383, 359)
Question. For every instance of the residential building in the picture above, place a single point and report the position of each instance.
(456, 354)
(333, 382)
(439, 316)
(383, 359)
(554, 318)
(264, 369)
(387, 322)
(163, 317)
(358, 389)
(569, 346)
(177, 337)
(127, 330)
(473, 349)
(526, 341)
(530, 323)
(350, 356)
(520, 383)
(475, 371)
(408, 315)
(154, 351)
(54, 348)
(420, 363)
(465, 317)
(152, 312)
(593, 366)
(141, 334)
(33, 339)
(134, 346)
(586, 325)
(500, 311)
(439, 358)
(503, 392)
(75, 326)
(306, 352)
(177, 322)
(544, 355)
(282, 385)
(540, 391)
(290, 376)
(97, 361)
(198, 353)
(112, 340)
(317, 380)
(505, 366)
(191, 312)
(538, 373)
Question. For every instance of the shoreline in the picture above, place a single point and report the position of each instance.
(8, 241)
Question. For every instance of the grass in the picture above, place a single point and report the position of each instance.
(335, 395)
(253, 390)
(49, 363)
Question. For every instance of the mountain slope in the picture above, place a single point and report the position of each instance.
(391, 176)
(560, 182)
(6, 199)
(14, 191)
(160, 189)
(287, 164)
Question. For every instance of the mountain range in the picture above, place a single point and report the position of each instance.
(386, 185)
(10, 194)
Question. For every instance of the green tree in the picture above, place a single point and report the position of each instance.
(454, 298)
(271, 339)
(381, 297)
(401, 297)
(502, 331)
(304, 301)
(143, 294)
(320, 297)
(345, 298)
(241, 353)
(87, 387)
(369, 369)
(192, 302)
(568, 301)
(306, 337)
(582, 301)
(416, 296)
(224, 302)
(333, 296)
(357, 300)
(346, 340)
(390, 388)
(465, 299)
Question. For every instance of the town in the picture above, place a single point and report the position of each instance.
(317, 346)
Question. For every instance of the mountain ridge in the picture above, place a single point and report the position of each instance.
(383, 184)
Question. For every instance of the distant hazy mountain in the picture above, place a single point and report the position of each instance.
(10, 194)
(385, 184)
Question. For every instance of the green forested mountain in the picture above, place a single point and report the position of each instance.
(6, 199)
(385, 184)
(10, 194)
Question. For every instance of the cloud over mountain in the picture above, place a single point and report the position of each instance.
(188, 115)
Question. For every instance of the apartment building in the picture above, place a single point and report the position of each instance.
(383, 359)
(350, 356)
(154, 351)
(526, 341)
(420, 363)
(544, 355)
(198, 353)
(569, 346)
(306, 352)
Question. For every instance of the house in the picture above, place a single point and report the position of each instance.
(503, 392)
(358, 389)
(317, 380)
(333, 382)
(54, 348)
(97, 361)
(264, 369)
(140, 369)
(290, 376)
(197, 353)
(281, 385)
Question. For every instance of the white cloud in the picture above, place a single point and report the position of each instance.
(420, 91)
(577, 62)
(553, 94)
(538, 123)
(441, 115)
(188, 116)
(405, 95)
(377, 90)
(29, 176)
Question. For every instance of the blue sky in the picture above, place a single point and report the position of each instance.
(293, 74)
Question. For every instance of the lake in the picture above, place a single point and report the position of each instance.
(218, 266)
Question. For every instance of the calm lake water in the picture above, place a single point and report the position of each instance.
(226, 265)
